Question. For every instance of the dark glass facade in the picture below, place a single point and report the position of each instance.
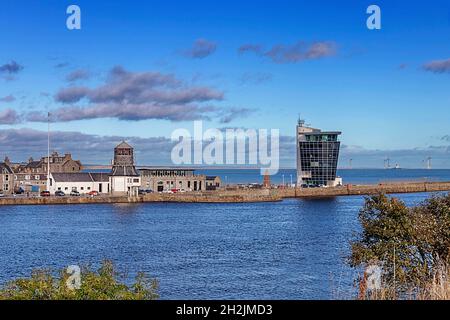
(318, 157)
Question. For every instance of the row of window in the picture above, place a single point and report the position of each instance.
(322, 138)
(168, 173)
(73, 188)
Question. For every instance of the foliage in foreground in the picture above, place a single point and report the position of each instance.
(95, 285)
(410, 245)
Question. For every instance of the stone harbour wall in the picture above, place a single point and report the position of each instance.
(237, 195)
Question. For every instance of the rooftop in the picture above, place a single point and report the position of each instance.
(80, 177)
(123, 145)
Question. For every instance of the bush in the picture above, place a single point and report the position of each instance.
(95, 285)
(410, 245)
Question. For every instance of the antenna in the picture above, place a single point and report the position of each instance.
(300, 121)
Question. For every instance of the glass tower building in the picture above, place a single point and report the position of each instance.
(317, 156)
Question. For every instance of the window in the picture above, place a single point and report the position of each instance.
(136, 180)
(6, 177)
(36, 177)
(89, 188)
(82, 188)
(66, 188)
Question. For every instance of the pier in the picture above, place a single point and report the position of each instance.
(238, 195)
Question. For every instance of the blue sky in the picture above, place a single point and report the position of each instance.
(387, 90)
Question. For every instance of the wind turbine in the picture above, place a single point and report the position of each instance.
(429, 163)
(387, 163)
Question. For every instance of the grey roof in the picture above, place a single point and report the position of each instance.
(123, 145)
(33, 164)
(5, 166)
(211, 177)
(124, 171)
(100, 177)
(80, 177)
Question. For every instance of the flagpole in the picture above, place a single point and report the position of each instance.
(48, 151)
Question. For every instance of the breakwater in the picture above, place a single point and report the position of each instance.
(349, 190)
(239, 195)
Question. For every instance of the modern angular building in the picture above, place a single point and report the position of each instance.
(317, 156)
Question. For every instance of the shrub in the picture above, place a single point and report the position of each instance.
(95, 285)
(411, 245)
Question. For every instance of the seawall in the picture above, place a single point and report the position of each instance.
(349, 190)
(238, 195)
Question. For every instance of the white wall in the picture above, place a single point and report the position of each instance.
(121, 184)
(82, 187)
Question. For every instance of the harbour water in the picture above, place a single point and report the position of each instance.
(294, 249)
(353, 176)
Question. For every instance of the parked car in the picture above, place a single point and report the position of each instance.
(45, 193)
(1, 195)
(174, 190)
(59, 193)
(142, 192)
(19, 190)
(74, 193)
(148, 191)
(93, 193)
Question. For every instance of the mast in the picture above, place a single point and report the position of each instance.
(48, 151)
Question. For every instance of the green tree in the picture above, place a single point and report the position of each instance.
(102, 284)
(409, 244)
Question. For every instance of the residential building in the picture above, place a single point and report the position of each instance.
(6, 178)
(317, 156)
(32, 175)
